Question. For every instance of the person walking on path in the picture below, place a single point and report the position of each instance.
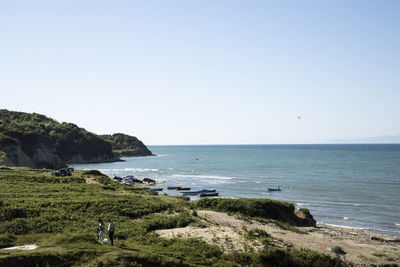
(102, 229)
(110, 230)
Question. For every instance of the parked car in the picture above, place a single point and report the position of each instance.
(67, 171)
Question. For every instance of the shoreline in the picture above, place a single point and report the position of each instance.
(167, 192)
(369, 230)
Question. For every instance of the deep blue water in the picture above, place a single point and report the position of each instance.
(348, 185)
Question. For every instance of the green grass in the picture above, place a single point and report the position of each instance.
(261, 209)
(60, 215)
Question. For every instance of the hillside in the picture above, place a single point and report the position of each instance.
(36, 141)
(59, 215)
(126, 145)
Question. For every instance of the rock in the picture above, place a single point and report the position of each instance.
(306, 217)
(338, 250)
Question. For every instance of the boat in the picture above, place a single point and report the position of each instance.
(198, 192)
(210, 194)
(172, 187)
(157, 189)
(182, 188)
(274, 189)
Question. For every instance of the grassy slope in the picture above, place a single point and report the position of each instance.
(60, 215)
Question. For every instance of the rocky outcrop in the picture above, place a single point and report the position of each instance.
(126, 145)
(305, 218)
(36, 141)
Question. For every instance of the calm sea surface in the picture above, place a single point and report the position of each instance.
(349, 185)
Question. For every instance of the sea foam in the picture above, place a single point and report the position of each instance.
(141, 170)
(202, 176)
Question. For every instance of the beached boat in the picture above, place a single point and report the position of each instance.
(182, 188)
(172, 187)
(211, 194)
(198, 192)
(273, 189)
(157, 189)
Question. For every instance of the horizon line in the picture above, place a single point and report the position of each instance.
(280, 144)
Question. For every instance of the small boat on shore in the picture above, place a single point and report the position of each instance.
(157, 189)
(172, 187)
(274, 189)
(211, 194)
(182, 188)
(198, 192)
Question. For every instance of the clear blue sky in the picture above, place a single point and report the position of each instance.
(206, 72)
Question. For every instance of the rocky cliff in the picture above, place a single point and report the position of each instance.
(37, 141)
(126, 145)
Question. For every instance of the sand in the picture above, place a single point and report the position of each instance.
(227, 231)
(25, 247)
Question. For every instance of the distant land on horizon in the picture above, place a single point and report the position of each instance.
(383, 139)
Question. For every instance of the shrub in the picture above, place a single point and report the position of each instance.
(94, 172)
(7, 240)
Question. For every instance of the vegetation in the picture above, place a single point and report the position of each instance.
(37, 141)
(126, 145)
(262, 208)
(60, 214)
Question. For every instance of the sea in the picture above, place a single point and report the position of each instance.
(349, 185)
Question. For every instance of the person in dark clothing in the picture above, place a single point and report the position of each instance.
(111, 229)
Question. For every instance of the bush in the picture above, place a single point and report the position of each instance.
(94, 172)
(7, 240)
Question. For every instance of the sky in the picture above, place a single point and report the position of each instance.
(206, 72)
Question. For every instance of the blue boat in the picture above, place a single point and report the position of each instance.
(198, 192)
(274, 189)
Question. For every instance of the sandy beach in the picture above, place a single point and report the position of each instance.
(228, 232)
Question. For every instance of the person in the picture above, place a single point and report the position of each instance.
(102, 229)
(110, 230)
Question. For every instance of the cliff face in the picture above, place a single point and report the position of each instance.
(43, 157)
(36, 141)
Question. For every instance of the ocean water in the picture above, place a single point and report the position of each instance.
(354, 186)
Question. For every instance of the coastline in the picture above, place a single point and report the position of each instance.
(244, 231)
(354, 186)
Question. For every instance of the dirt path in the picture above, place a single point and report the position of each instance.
(227, 231)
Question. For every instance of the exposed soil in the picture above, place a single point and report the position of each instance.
(228, 232)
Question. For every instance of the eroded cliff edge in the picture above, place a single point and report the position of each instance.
(36, 141)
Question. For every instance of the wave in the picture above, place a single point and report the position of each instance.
(397, 224)
(302, 204)
(344, 226)
(202, 176)
(124, 169)
(368, 229)
(140, 169)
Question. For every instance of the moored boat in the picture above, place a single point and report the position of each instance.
(172, 187)
(157, 189)
(182, 188)
(198, 192)
(274, 189)
(211, 194)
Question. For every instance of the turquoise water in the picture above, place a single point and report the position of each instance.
(349, 185)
